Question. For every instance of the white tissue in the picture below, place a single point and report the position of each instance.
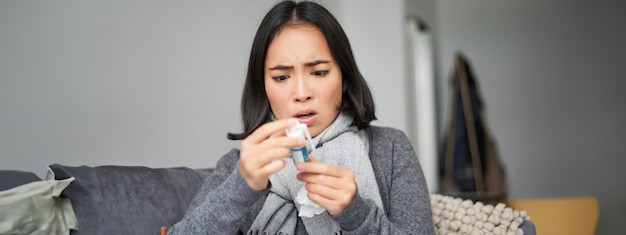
(308, 208)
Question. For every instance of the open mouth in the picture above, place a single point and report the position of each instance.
(305, 116)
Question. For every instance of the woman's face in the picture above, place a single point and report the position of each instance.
(302, 79)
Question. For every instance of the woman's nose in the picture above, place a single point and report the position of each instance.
(303, 92)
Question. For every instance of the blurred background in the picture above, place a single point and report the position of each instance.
(158, 83)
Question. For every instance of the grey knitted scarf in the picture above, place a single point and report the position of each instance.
(340, 144)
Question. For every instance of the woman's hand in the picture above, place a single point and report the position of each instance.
(330, 186)
(262, 152)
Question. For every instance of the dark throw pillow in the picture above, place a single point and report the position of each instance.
(129, 199)
(10, 179)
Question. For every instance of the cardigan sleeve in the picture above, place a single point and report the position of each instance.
(223, 202)
(405, 193)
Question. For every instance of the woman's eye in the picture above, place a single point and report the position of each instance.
(280, 78)
(320, 73)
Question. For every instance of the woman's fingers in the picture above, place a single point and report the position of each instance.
(261, 151)
(262, 133)
(260, 166)
(330, 186)
(315, 166)
(334, 201)
(260, 147)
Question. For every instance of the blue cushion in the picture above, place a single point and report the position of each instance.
(129, 199)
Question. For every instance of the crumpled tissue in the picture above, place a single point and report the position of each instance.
(308, 208)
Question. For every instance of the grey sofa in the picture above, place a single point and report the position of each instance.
(128, 199)
(122, 199)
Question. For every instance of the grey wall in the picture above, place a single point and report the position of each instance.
(552, 76)
(154, 83)
(375, 29)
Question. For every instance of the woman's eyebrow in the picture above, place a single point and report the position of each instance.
(281, 67)
(316, 62)
(307, 64)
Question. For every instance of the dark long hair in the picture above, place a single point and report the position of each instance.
(255, 107)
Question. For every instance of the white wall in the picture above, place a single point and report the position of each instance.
(551, 75)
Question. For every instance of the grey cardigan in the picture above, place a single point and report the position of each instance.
(226, 205)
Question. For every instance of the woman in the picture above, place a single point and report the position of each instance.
(365, 179)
